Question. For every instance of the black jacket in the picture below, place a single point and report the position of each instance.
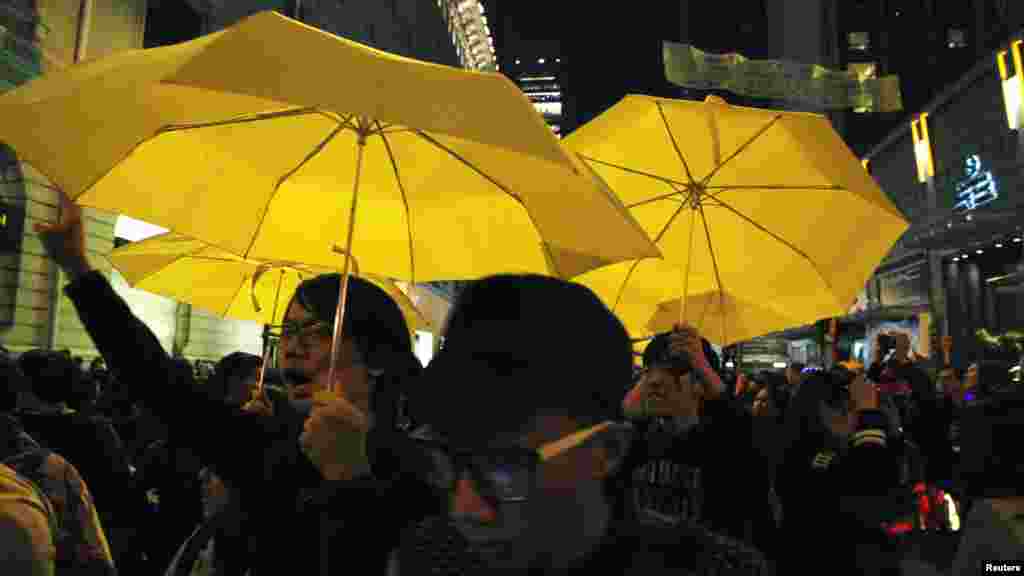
(721, 447)
(929, 425)
(290, 510)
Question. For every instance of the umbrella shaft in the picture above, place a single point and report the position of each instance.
(343, 296)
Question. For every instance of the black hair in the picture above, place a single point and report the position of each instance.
(372, 320)
(521, 345)
(53, 376)
(229, 371)
(657, 352)
(13, 382)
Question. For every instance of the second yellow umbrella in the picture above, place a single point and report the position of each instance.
(212, 279)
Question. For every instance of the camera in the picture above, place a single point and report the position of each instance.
(886, 342)
(839, 378)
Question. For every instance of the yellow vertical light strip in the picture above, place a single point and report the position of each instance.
(866, 163)
(1018, 64)
(1013, 84)
(922, 148)
(929, 160)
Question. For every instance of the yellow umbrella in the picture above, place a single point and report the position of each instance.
(769, 210)
(219, 282)
(262, 139)
(212, 279)
(649, 303)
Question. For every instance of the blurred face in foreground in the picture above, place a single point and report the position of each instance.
(536, 501)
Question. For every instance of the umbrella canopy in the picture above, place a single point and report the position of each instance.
(212, 279)
(646, 297)
(250, 139)
(769, 210)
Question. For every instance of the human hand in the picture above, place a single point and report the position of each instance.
(64, 241)
(259, 405)
(863, 394)
(334, 438)
(685, 341)
(741, 384)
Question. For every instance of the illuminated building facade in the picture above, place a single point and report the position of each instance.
(956, 169)
(538, 77)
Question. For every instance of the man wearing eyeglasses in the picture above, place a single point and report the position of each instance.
(287, 491)
(523, 405)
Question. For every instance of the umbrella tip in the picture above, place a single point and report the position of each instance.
(712, 99)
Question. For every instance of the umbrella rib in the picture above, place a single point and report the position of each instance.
(632, 171)
(671, 220)
(742, 147)
(636, 263)
(774, 187)
(405, 202)
(245, 277)
(724, 189)
(655, 199)
(239, 120)
(430, 139)
(672, 138)
(622, 287)
(779, 239)
(714, 264)
(277, 187)
(177, 259)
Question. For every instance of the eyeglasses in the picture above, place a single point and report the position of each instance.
(304, 330)
(504, 474)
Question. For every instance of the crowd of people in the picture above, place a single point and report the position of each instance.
(527, 445)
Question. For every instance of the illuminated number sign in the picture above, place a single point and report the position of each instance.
(976, 188)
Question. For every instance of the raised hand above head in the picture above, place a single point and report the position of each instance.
(65, 241)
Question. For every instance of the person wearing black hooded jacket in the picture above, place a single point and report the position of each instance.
(300, 523)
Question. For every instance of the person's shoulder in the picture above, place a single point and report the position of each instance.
(26, 530)
(657, 547)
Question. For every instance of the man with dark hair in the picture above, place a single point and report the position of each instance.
(88, 441)
(234, 378)
(279, 483)
(521, 403)
(683, 398)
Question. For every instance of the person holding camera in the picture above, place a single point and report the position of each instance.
(902, 379)
(688, 424)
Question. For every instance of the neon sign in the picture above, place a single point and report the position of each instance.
(977, 188)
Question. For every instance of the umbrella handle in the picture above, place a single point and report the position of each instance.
(346, 271)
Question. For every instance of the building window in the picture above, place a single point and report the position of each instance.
(859, 41)
(172, 22)
(863, 71)
(956, 38)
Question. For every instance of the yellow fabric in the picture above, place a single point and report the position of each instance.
(28, 515)
(280, 188)
(792, 221)
(217, 281)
